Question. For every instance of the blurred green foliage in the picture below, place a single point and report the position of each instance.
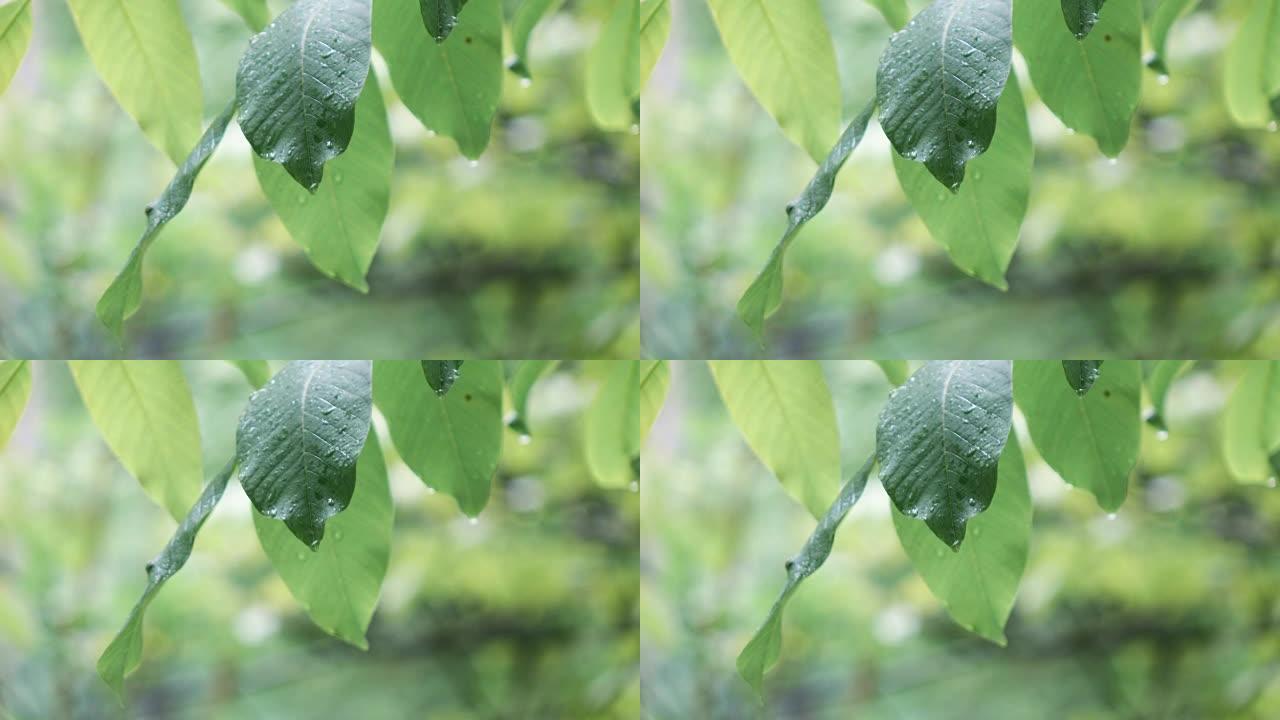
(1170, 608)
(530, 252)
(1170, 251)
(530, 612)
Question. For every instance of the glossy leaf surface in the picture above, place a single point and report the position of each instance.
(1081, 15)
(440, 16)
(441, 374)
(1081, 374)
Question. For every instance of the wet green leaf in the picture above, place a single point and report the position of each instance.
(1081, 374)
(441, 16)
(1081, 15)
(441, 374)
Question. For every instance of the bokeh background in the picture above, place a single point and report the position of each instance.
(1169, 252)
(1170, 609)
(530, 253)
(531, 612)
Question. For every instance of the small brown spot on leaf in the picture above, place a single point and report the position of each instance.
(467, 397)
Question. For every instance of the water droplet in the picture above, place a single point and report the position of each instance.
(635, 486)
(525, 439)
(1113, 161)
(431, 490)
(337, 535)
(474, 163)
(1272, 126)
(302, 557)
(1162, 79)
(526, 82)
(1271, 481)
(1162, 434)
(1111, 516)
(473, 521)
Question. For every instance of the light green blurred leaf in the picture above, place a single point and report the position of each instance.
(1161, 22)
(1092, 441)
(520, 384)
(785, 413)
(15, 35)
(784, 53)
(15, 388)
(254, 12)
(1251, 423)
(895, 371)
(895, 12)
(613, 68)
(612, 426)
(1160, 374)
(655, 378)
(655, 27)
(257, 372)
(1252, 67)
(146, 415)
(527, 17)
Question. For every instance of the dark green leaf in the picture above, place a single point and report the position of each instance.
(520, 384)
(442, 374)
(939, 81)
(1165, 16)
(299, 81)
(1160, 374)
(124, 295)
(939, 442)
(125, 651)
(1092, 440)
(1081, 15)
(15, 388)
(1081, 374)
(762, 651)
(441, 16)
(765, 294)
(15, 36)
(527, 17)
(299, 440)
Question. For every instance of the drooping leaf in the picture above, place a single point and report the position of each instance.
(299, 439)
(784, 411)
(527, 17)
(124, 295)
(655, 27)
(520, 384)
(613, 68)
(299, 81)
(338, 584)
(979, 223)
(765, 646)
(1081, 374)
(451, 442)
(1160, 374)
(15, 36)
(1252, 66)
(255, 13)
(1251, 423)
(146, 415)
(257, 372)
(125, 651)
(1081, 15)
(1091, 441)
(441, 16)
(939, 81)
(895, 12)
(612, 426)
(764, 296)
(1092, 85)
(143, 52)
(1161, 22)
(895, 371)
(784, 53)
(15, 388)
(655, 378)
(939, 442)
(977, 584)
(452, 87)
(339, 225)
(441, 374)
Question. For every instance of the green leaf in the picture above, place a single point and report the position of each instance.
(785, 55)
(254, 12)
(1160, 374)
(977, 584)
(613, 68)
(340, 223)
(1161, 22)
(939, 442)
(125, 651)
(520, 384)
(452, 87)
(15, 388)
(257, 372)
(764, 296)
(338, 584)
(785, 413)
(612, 426)
(895, 12)
(124, 295)
(298, 84)
(452, 442)
(655, 378)
(1081, 374)
(655, 27)
(527, 17)
(1092, 440)
(143, 51)
(1251, 423)
(442, 374)
(895, 371)
(765, 646)
(939, 81)
(441, 16)
(1252, 66)
(1092, 85)
(979, 223)
(15, 36)
(147, 417)
(1081, 15)
(299, 439)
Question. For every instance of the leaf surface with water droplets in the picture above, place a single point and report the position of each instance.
(1081, 374)
(441, 16)
(442, 374)
(1081, 16)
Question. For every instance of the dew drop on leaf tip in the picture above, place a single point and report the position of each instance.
(473, 521)
(1111, 516)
